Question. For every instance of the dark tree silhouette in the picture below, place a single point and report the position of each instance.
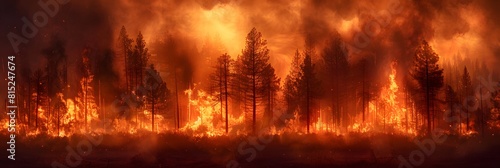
(254, 61)
(451, 100)
(466, 85)
(271, 85)
(140, 58)
(155, 90)
(336, 66)
(308, 85)
(40, 84)
(428, 75)
(56, 71)
(220, 79)
(86, 93)
(291, 90)
(125, 50)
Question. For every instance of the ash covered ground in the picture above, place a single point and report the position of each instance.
(287, 150)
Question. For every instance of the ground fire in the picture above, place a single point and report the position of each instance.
(235, 83)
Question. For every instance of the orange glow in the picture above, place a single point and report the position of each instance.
(209, 120)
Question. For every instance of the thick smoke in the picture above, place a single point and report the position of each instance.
(451, 26)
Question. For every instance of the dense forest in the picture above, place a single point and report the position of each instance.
(324, 91)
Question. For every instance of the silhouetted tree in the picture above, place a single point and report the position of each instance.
(336, 66)
(271, 86)
(155, 90)
(291, 90)
(451, 100)
(220, 79)
(140, 58)
(428, 75)
(86, 92)
(308, 85)
(466, 85)
(56, 71)
(237, 92)
(40, 94)
(26, 79)
(493, 116)
(254, 61)
(125, 50)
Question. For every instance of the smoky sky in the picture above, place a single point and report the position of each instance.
(452, 26)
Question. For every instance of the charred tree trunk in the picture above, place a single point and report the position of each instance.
(85, 101)
(226, 95)
(220, 91)
(152, 113)
(177, 100)
(38, 91)
(254, 98)
(466, 110)
(363, 91)
(307, 105)
(406, 108)
(58, 130)
(29, 102)
(428, 97)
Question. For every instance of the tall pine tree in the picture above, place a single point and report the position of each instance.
(466, 84)
(155, 91)
(125, 50)
(336, 66)
(220, 82)
(429, 76)
(254, 61)
(308, 85)
(291, 90)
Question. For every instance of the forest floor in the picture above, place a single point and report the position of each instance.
(288, 150)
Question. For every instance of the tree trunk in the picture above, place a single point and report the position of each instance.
(177, 99)
(85, 100)
(428, 97)
(363, 92)
(58, 120)
(38, 90)
(152, 114)
(307, 104)
(254, 92)
(226, 94)
(467, 109)
(29, 102)
(220, 90)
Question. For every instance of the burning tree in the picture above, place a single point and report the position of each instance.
(429, 77)
(155, 91)
(56, 75)
(308, 85)
(86, 94)
(336, 66)
(451, 100)
(39, 87)
(466, 85)
(271, 85)
(301, 87)
(220, 79)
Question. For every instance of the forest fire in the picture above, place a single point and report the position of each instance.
(234, 83)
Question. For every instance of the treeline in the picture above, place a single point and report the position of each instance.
(319, 79)
(329, 80)
(48, 100)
